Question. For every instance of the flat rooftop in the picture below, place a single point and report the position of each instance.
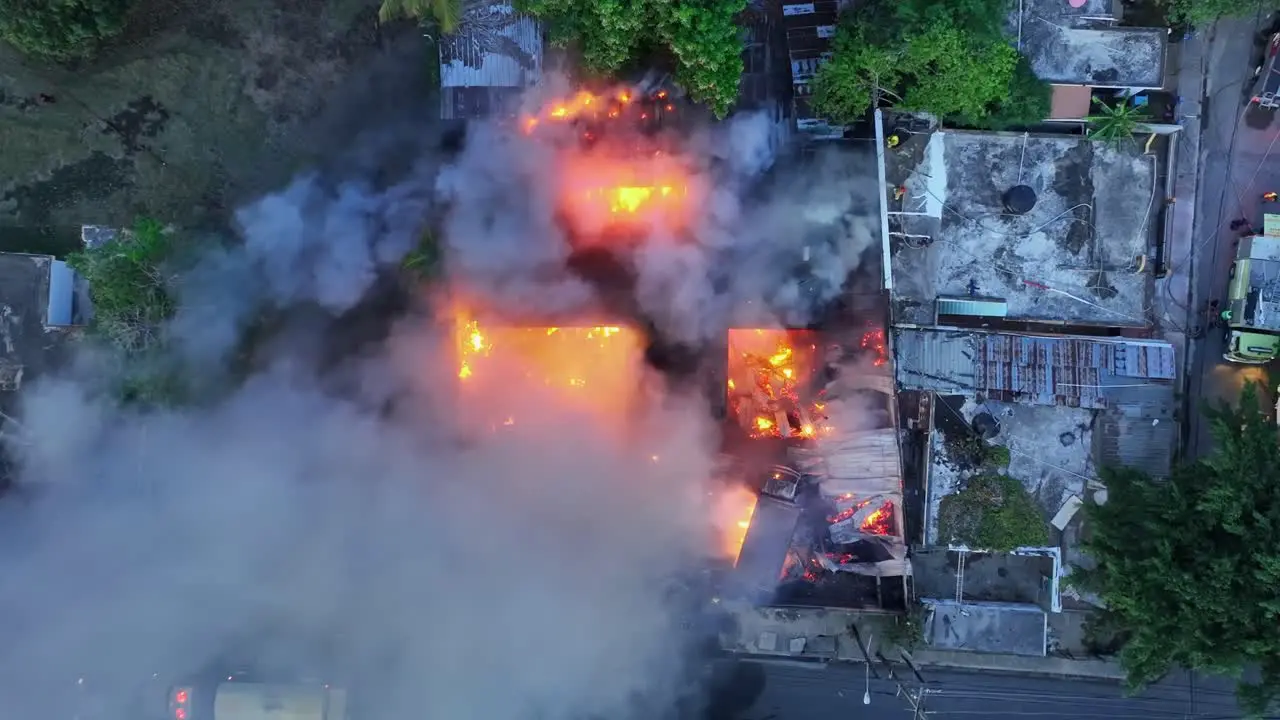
(27, 347)
(1082, 46)
(1077, 255)
(1002, 628)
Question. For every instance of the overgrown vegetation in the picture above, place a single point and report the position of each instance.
(1115, 124)
(907, 630)
(1190, 567)
(992, 512)
(445, 14)
(950, 59)
(130, 283)
(61, 30)
(969, 451)
(703, 39)
(1203, 12)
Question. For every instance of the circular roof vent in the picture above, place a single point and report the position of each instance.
(1019, 199)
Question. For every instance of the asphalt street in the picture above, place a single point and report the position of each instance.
(1240, 160)
(799, 692)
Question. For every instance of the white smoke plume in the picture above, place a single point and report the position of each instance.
(356, 528)
(770, 240)
(519, 574)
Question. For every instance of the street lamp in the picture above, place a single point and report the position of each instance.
(866, 695)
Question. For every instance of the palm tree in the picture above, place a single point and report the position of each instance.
(445, 13)
(1116, 124)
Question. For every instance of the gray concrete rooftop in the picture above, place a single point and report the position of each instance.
(1050, 453)
(1081, 46)
(986, 627)
(1074, 257)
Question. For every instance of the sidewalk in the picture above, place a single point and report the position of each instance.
(1174, 298)
(794, 635)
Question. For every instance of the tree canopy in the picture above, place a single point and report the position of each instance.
(703, 39)
(950, 59)
(446, 14)
(1190, 568)
(1203, 12)
(61, 29)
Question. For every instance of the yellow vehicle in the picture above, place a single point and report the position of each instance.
(1253, 298)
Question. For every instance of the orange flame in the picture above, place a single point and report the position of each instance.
(735, 509)
(584, 104)
(601, 191)
(595, 365)
(774, 367)
(874, 340)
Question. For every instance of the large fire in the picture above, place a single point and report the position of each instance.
(734, 509)
(771, 383)
(616, 175)
(876, 522)
(590, 367)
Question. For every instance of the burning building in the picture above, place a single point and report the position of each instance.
(824, 405)
(593, 369)
(616, 170)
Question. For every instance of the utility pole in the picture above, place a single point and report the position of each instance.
(912, 689)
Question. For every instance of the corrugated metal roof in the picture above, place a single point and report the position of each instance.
(1071, 371)
(494, 47)
(1138, 436)
(975, 307)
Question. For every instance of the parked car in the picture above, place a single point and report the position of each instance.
(1267, 77)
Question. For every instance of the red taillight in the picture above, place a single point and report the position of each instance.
(179, 699)
(1256, 99)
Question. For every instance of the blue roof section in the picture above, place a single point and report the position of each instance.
(1072, 371)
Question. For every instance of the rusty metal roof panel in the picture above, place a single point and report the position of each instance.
(1076, 372)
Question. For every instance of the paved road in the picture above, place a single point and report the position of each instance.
(795, 692)
(1240, 159)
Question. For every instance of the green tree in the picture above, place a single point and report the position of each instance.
(61, 30)
(707, 43)
(992, 512)
(938, 68)
(1203, 12)
(1027, 102)
(1190, 567)
(703, 39)
(445, 13)
(979, 19)
(1116, 124)
(858, 72)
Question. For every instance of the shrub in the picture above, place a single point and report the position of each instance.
(129, 285)
(61, 29)
(993, 512)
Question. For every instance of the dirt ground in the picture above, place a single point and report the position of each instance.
(201, 105)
